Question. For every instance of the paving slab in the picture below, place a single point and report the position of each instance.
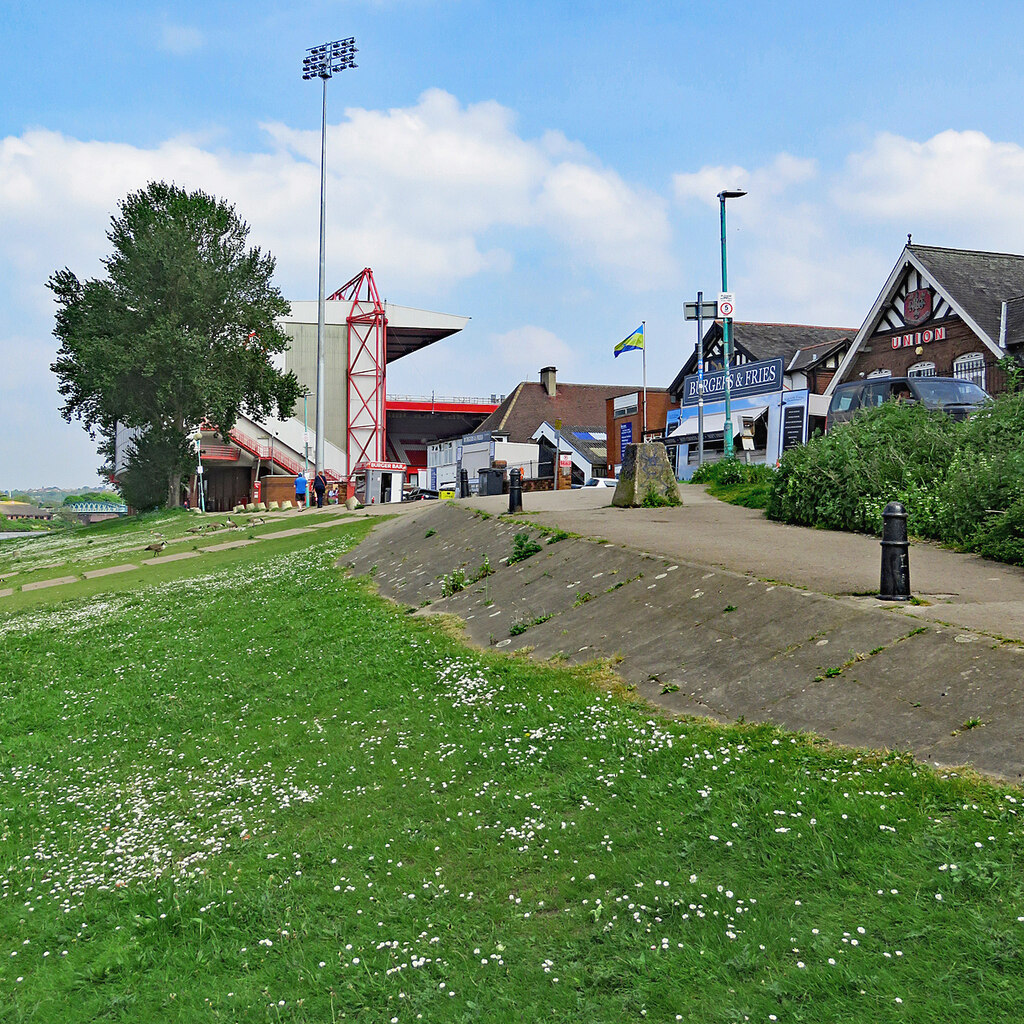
(6, 592)
(93, 574)
(177, 557)
(228, 545)
(281, 533)
(43, 584)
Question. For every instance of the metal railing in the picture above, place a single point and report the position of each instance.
(264, 449)
(448, 399)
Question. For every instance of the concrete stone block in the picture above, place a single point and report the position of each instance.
(645, 469)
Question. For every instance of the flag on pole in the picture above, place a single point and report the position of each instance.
(633, 343)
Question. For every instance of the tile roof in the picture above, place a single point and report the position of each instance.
(595, 449)
(529, 406)
(806, 357)
(976, 281)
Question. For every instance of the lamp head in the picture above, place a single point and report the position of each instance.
(731, 193)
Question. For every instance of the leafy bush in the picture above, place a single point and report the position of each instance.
(961, 483)
(522, 547)
(984, 482)
(843, 479)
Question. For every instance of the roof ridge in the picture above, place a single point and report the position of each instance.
(569, 384)
(818, 344)
(813, 327)
(512, 399)
(970, 252)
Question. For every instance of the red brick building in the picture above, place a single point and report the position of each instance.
(943, 312)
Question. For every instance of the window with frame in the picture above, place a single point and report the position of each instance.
(922, 370)
(970, 366)
(880, 373)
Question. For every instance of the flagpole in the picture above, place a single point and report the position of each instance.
(643, 328)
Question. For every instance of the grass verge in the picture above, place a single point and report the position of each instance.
(261, 792)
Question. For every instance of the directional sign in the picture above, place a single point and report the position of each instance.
(727, 304)
(707, 310)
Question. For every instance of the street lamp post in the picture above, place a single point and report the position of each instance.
(305, 448)
(322, 62)
(727, 328)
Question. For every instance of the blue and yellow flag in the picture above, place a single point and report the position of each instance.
(633, 343)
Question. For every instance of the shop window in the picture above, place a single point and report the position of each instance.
(922, 370)
(970, 367)
(880, 373)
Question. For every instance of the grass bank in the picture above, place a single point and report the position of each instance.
(262, 793)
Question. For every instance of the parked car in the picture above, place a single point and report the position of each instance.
(419, 494)
(955, 397)
(600, 481)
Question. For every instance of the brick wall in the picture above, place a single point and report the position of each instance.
(878, 353)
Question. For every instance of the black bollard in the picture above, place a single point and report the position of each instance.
(515, 490)
(464, 483)
(895, 554)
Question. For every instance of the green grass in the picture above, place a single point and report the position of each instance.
(262, 793)
(750, 495)
(116, 542)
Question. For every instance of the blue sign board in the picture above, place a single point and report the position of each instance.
(625, 437)
(747, 379)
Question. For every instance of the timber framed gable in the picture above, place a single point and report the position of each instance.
(913, 310)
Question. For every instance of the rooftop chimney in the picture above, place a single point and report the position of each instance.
(547, 378)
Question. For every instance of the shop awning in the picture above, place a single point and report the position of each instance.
(715, 422)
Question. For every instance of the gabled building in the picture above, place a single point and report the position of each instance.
(584, 448)
(533, 402)
(942, 312)
(810, 357)
(514, 435)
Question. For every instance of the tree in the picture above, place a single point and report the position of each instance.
(180, 331)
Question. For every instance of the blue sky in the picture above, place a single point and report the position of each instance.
(549, 170)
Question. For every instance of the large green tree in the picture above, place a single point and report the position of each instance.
(180, 331)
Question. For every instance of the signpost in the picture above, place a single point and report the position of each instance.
(698, 311)
(558, 452)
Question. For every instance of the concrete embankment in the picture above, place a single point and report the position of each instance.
(701, 639)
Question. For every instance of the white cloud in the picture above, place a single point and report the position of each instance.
(816, 248)
(430, 195)
(526, 349)
(416, 193)
(961, 186)
(774, 179)
(595, 212)
(181, 40)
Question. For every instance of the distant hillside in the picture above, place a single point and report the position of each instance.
(51, 497)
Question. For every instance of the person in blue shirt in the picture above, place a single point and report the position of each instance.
(300, 490)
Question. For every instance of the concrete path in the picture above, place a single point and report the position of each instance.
(962, 590)
(691, 606)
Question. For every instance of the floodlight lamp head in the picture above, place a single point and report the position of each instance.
(731, 193)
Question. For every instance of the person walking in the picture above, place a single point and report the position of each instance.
(300, 490)
(319, 486)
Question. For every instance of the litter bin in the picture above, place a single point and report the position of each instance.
(492, 481)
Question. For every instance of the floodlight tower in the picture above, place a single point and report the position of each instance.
(322, 62)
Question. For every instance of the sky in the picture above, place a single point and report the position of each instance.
(548, 169)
